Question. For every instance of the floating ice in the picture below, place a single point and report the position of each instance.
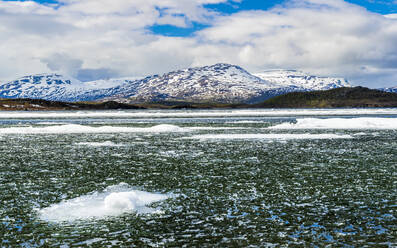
(284, 136)
(166, 128)
(244, 122)
(340, 123)
(74, 128)
(216, 128)
(196, 113)
(99, 144)
(114, 201)
(52, 123)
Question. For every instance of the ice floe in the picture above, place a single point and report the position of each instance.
(244, 122)
(99, 144)
(74, 128)
(51, 123)
(216, 128)
(197, 113)
(340, 123)
(113, 201)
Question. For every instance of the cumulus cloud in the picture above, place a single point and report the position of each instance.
(323, 37)
(94, 35)
(95, 39)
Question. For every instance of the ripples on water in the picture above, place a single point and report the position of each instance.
(197, 181)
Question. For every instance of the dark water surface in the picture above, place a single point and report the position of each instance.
(229, 191)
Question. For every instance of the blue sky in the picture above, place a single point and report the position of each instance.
(377, 6)
(97, 39)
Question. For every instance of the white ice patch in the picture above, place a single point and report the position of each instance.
(244, 122)
(73, 128)
(99, 144)
(340, 123)
(52, 123)
(359, 134)
(216, 128)
(114, 201)
(199, 113)
(283, 136)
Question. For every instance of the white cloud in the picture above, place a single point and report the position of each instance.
(391, 16)
(98, 33)
(334, 38)
(111, 38)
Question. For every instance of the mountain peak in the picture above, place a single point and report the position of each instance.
(215, 67)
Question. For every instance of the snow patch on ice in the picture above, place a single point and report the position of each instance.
(52, 123)
(216, 128)
(166, 128)
(113, 201)
(340, 123)
(74, 128)
(283, 136)
(206, 113)
(360, 134)
(99, 144)
(244, 122)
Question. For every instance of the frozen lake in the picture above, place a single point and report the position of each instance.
(199, 178)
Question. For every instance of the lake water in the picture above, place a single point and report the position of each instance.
(264, 178)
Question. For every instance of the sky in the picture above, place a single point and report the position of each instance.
(100, 39)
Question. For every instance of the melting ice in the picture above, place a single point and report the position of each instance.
(99, 144)
(204, 113)
(113, 201)
(340, 123)
(73, 128)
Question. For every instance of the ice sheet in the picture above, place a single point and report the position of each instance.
(196, 113)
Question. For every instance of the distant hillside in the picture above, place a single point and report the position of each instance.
(37, 104)
(357, 97)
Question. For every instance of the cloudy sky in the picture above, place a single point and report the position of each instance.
(95, 39)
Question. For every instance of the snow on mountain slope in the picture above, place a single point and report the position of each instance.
(297, 79)
(390, 89)
(109, 83)
(46, 86)
(58, 88)
(221, 83)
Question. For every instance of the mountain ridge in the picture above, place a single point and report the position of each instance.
(219, 83)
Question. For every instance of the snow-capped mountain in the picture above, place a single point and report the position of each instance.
(225, 83)
(219, 83)
(57, 87)
(222, 83)
(390, 89)
(46, 86)
(300, 80)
